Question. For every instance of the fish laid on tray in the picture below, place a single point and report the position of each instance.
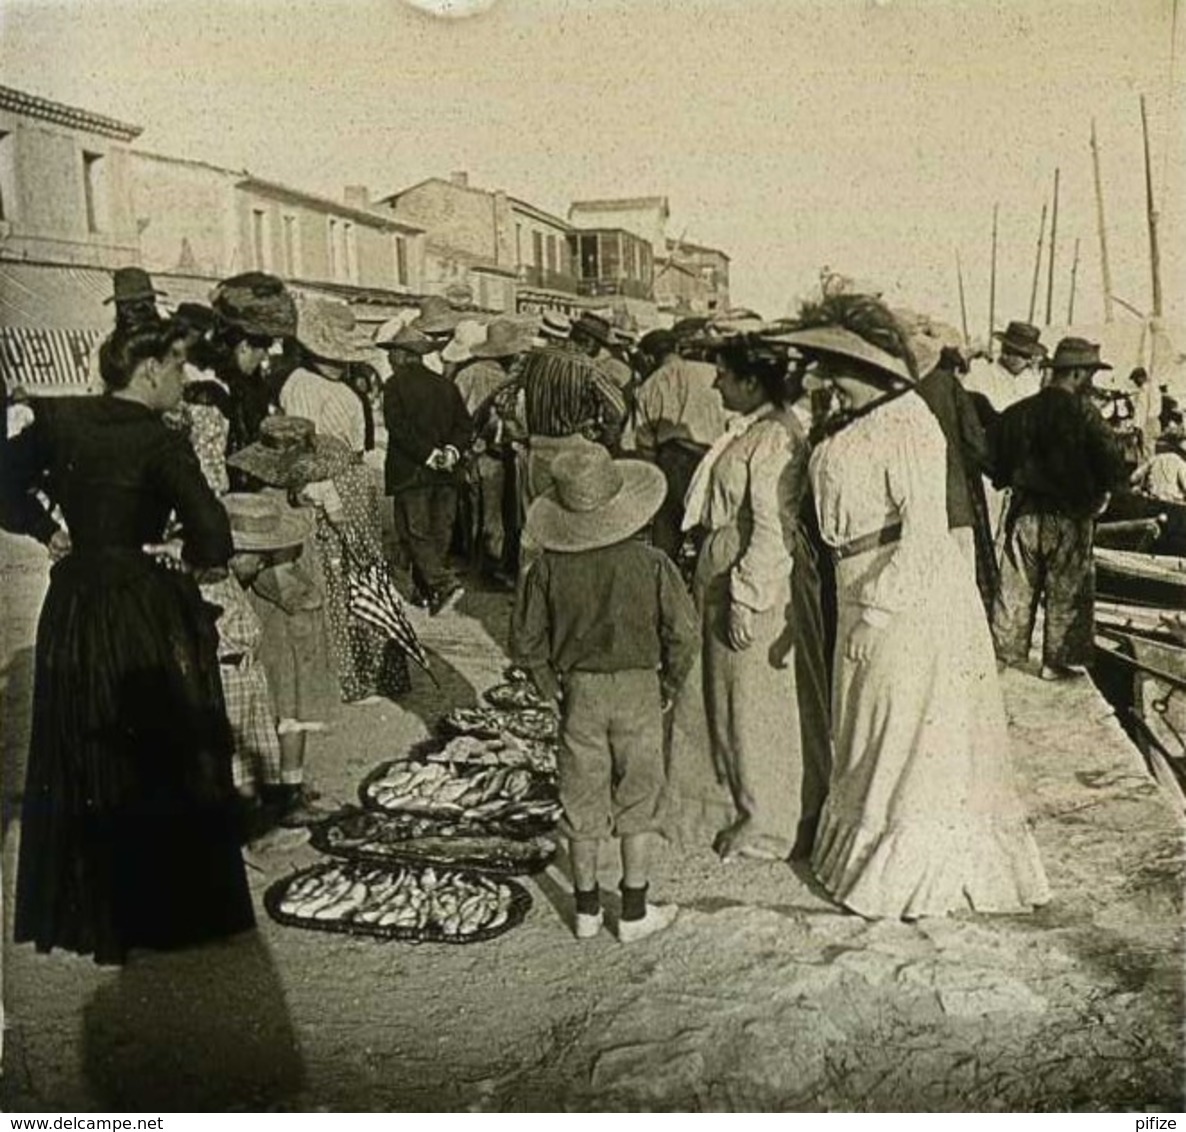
(476, 793)
(504, 750)
(515, 696)
(451, 904)
(387, 837)
(490, 723)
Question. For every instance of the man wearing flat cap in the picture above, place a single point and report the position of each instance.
(1061, 461)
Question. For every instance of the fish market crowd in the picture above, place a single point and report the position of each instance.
(764, 575)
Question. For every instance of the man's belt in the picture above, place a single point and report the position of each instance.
(871, 541)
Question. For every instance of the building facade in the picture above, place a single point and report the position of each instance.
(644, 217)
(691, 279)
(64, 184)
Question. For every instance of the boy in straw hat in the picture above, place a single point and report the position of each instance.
(605, 627)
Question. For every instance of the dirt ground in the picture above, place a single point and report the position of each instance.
(763, 996)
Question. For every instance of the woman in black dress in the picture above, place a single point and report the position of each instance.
(128, 831)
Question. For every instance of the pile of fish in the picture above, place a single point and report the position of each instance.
(473, 793)
(504, 750)
(490, 722)
(375, 837)
(423, 903)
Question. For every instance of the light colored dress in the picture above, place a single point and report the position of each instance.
(923, 816)
(766, 704)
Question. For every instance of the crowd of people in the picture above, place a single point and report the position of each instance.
(765, 572)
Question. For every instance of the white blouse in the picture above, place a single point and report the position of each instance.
(884, 468)
(332, 406)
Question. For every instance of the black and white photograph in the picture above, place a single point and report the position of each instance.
(579, 556)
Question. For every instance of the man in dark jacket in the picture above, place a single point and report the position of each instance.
(428, 429)
(1062, 462)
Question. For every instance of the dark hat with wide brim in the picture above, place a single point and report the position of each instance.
(837, 341)
(132, 285)
(1021, 338)
(263, 523)
(595, 327)
(289, 453)
(437, 317)
(594, 501)
(1075, 353)
(257, 304)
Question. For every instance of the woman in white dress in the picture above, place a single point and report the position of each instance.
(923, 817)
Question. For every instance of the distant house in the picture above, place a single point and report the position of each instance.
(692, 279)
(644, 217)
(198, 219)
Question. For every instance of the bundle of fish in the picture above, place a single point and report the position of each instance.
(409, 837)
(473, 793)
(526, 723)
(407, 902)
(515, 696)
(504, 750)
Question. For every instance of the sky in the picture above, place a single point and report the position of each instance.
(871, 136)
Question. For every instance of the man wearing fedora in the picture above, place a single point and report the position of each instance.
(428, 429)
(134, 297)
(1014, 374)
(605, 627)
(1061, 461)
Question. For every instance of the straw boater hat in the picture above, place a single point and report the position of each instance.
(595, 501)
(328, 329)
(257, 304)
(839, 342)
(437, 316)
(1022, 338)
(261, 522)
(504, 338)
(555, 324)
(469, 333)
(289, 453)
(132, 285)
(1076, 353)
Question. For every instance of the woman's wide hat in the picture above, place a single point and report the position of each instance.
(837, 341)
(469, 334)
(437, 316)
(290, 453)
(256, 303)
(329, 330)
(594, 501)
(504, 339)
(262, 522)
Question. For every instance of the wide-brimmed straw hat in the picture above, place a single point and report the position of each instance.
(1076, 353)
(469, 333)
(290, 453)
(328, 329)
(840, 342)
(437, 316)
(262, 522)
(132, 285)
(504, 339)
(405, 338)
(1022, 338)
(595, 501)
(257, 304)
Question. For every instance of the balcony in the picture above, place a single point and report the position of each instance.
(628, 288)
(546, 279)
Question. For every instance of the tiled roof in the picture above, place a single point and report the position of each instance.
(35, 106)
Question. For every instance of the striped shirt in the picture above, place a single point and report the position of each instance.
(563, 394)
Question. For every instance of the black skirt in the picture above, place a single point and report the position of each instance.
(129, 835)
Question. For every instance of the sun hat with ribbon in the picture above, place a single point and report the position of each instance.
(469, 333)
(262, 522)
(132, 285)
(290, 453)
(256, 303)
(594, 501)
(1076, 353)
(504, 338)
(328, 329)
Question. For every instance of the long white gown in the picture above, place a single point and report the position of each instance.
(923, 816)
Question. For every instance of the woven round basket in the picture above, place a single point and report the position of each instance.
(520, 905)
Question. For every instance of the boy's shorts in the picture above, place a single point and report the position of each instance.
(611, 763)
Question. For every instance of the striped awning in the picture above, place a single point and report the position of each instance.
(34, 357)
